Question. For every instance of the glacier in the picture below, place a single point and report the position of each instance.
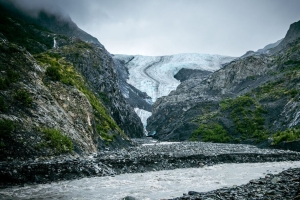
(144, 115)
(154, 75)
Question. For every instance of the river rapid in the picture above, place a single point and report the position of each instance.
(163, 184)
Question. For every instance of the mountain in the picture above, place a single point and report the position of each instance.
(154, 76)
(59, 91)
(265, 50)
(253, 99)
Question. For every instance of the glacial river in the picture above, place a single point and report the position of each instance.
(151, 185)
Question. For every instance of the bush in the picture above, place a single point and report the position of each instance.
(287, 136)
(23, 97)
(103, 132)
(3, 106)
(53, 73)
(12, 77)
(6, 127)
(4, 84)
(57, 140)
(211, 133)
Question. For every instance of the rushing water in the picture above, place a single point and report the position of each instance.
(150, 185)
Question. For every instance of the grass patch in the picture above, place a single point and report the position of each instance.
(3, 105)
(53, 73)
(288, 135)
(10, 77)
(211, 133)
(55, 139)
(246, 114)
(23, 97)
(6, 127)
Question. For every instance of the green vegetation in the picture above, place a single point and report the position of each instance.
(34, 38)
(23, 97)
(104, 135)
(288, 135)
(69, 76)
(3, 105)
(246, 114)
(292, 62)
(6, 127)
(11, 77)
(274, 90)
(53, 73)
(104, 98)
(55, 139)
(211, 133)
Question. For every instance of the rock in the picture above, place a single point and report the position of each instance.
(129, 198)
(275, 180)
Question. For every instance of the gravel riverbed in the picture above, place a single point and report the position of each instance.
(282, 186)
(148, 155)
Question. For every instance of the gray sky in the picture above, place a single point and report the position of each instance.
(162, 27)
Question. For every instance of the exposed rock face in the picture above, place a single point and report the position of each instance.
(292, 34)
(63, 96)
(56, 106)
(97, 66)
(186, 74)
(265, 50)
(270, 81)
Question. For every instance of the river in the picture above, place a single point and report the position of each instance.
(151, 185)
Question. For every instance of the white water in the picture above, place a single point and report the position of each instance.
(54, 43)
(151, 185)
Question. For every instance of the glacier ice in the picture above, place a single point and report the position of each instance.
(144, 115)
(155, 74)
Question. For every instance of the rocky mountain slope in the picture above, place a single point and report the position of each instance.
(59, 91)
(246, 101)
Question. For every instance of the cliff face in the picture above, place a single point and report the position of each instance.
(58, 94)
(248, 100)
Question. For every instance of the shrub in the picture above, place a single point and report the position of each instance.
(293, 93)
(103, 132)
(11, 77)
(211, 133)
(3, 106)
(53, 73)
(6, 127)
(57, 140)
(4, 84)
(287, 135)
(23, 97)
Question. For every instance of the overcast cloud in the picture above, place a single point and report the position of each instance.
(161, 27)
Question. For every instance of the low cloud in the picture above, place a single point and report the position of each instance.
(160, 27)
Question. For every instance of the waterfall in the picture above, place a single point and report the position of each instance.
(54, 43)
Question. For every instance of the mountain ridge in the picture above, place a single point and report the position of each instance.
(59, 94)
(198, 108)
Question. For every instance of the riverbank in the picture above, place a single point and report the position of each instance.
(282, 186)
(146, 156)
(158, 185)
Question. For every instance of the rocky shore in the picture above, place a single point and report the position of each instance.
(146, 156)
(283, 186)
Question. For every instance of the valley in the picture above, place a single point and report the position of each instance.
(73, 114)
